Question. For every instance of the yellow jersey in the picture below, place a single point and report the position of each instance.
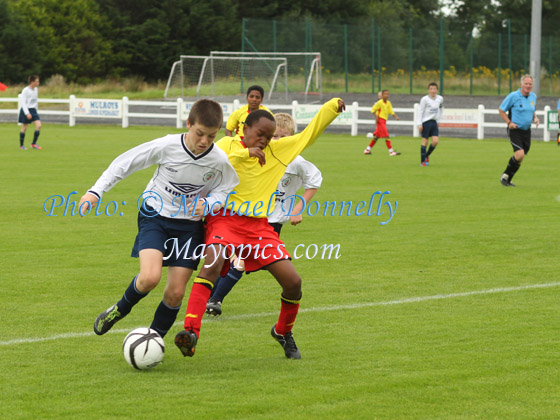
(384, 108)
(254, 195)
(236, 120)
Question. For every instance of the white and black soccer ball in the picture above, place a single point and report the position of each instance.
(143, 348)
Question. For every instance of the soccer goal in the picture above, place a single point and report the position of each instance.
(217, 75)
(304, 68)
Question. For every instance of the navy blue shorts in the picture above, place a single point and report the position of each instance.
(23, 118)
(177, 239)
(429, 129)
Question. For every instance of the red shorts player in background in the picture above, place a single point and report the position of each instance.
(381, 110)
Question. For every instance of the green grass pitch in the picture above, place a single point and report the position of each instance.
(450, 311)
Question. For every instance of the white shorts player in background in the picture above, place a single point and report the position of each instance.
(298, 173)
(429, 117)
(191, 171)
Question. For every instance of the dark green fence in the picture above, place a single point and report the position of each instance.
(371, 56)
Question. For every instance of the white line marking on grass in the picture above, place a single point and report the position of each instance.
(315, 309)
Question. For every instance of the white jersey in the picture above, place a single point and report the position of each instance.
(29, 99)
(179, 179)
(430, 109)
(298, 173)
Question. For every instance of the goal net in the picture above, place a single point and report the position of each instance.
(304, 69)
(212, 76)
(284, 75)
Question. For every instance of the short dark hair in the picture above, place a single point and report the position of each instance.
(384, 90)
(257, 88)
(206, 112)
(433, 84)
(254, 116)
(32, 78)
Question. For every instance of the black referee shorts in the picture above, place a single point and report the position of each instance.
(520, 139)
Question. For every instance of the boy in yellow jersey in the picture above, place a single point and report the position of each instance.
(243, 225)
(299, 173)
(236, 121)
(382, 109)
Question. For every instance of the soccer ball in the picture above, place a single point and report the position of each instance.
(143, 348)
(369, 135)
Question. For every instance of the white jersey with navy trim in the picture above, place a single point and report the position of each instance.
(179, 178)
(298, 173)
(29, 99)
(430, 109)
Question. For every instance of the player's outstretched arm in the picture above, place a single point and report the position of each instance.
(287, 149)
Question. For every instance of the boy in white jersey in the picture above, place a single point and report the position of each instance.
(298, 173)
(28, 112)
(191, 171)
(429, 116)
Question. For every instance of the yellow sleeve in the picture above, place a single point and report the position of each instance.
(234, 149)
(375, 107)
(233, 120)
(390, 108)
(287, 149)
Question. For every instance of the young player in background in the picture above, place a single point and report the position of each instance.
(382, 109)
(522, 103)
(298, 173)
(236, 121)
(260, 164)
(190, 166)
(28, 112)
(429, 116)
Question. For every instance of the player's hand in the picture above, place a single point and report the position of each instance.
(199, 209)
(29, 116)
(89, 201)
(258, 153)
(397, 118)
(341, 106)
(512, 125)
(296, 220)
(420, 128)
(537, 121)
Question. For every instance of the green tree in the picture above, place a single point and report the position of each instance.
(69, 37)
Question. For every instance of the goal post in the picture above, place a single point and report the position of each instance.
(208, 76)
(304, 68)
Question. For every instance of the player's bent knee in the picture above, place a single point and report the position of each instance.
(173, 297)
(146, 282)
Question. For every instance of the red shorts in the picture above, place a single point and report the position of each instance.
(381, 130)
(252, 239)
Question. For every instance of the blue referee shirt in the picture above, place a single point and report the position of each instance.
(558, 105)
(522, 108)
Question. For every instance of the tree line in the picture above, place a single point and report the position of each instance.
(90, 40)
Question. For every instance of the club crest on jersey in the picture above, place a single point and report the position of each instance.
(286, 182)
(208, 176)
(187, 189)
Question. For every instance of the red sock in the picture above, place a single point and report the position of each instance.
(371, 143)
(288, 313)
(388, 143)
(197, 304)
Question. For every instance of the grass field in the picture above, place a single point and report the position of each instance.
(449, 311)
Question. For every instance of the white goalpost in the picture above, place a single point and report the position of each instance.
(224, 73)
(208, 76)
(306, 64)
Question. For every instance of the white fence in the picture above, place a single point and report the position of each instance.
(118, 109)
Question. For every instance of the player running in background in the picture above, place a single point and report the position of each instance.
(298, 173)
(385, 109)
(28, 112)
(236, 121)
(260, 164)
(522, 103)
(190, 166)
(429, 116)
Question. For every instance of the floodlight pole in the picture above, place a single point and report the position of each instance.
(535, 60)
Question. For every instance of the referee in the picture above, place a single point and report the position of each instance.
(518, 111)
